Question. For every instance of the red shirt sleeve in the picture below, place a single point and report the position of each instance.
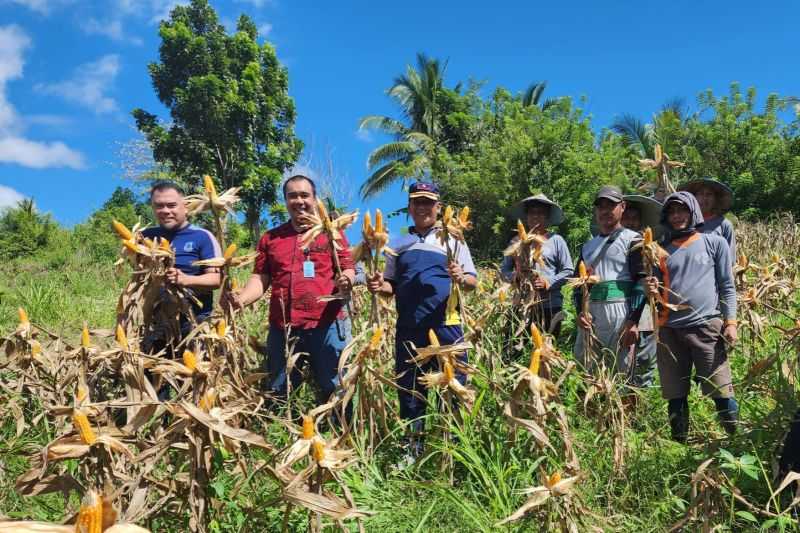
(345, 259)
(262, 260)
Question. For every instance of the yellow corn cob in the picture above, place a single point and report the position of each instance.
(648, 236)
(164, 244)
(90, 516)
(308, 427)
(222, 327)
(322, 211)
(502, 296)
(85, 340)
(190, 360)
(523, 235)
(553, 479)
(122, 339)
(81, 423)
(318, 450)
(375, 341)
(23, 317)
(366, 226)
(36, 348)
(229, 251)
(234, 284)
(449, 374)
(211, 190)
(123, 232)
(378, 221)
(130, 245)
(658, 153)
(81, 392)
(536, 360)
(208, 400)
(463, 216)
(432, 338)
(582, 270)
(149, 243)
(536, 335)
(448, 215)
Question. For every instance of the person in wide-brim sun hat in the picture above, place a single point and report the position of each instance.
(556, 214)
(642, 212)
(715, 199)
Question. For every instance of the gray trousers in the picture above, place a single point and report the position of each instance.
(608, 319)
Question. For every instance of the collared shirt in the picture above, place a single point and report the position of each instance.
(420, 278)
(190, 243)
(296, 290)
(557, 268)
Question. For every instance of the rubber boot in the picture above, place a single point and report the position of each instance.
(728, 413)
(678, 410)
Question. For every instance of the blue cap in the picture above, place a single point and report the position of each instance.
(422, 189)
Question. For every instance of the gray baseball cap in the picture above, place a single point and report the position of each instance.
(609, 192)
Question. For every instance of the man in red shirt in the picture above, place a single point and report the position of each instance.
(299, 276)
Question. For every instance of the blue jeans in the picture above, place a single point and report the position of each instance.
(321, 346)
(412, 407)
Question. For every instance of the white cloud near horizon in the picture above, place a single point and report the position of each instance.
(88, 85)
(113, 28)
(14, 148)
(9, 197)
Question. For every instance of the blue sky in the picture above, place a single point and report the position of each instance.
(71, 71)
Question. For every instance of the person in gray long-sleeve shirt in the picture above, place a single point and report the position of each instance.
(715, 199)
(540, 212)
(696, 333)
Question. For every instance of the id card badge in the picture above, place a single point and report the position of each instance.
(308, 269)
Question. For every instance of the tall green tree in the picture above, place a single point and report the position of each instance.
(417, 138)
(24, 230)
(231, 115)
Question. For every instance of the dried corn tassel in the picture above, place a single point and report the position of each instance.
(308, 427)
(81, 393)
(122, 230)
(81, 423)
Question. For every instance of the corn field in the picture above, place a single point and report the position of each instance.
(102, 433)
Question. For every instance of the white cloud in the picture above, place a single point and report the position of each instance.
(364, 135)
(264, 29)
(13, 147)
(35, 154)
(113, 29)
(161, 9)
(88, 85)
(9, 197)
(40, 6)
(255, 3)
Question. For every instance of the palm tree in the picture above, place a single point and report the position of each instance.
(643, 138)
(533, 96)
(416, 138)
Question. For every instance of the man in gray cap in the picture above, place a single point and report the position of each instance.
(548, 277)
(616, 302)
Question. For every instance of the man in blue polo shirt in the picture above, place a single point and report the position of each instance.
(420, 278)
(190, 244)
